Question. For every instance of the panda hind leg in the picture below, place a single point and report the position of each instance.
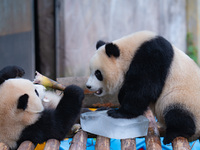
(11, 72)
(179, 122)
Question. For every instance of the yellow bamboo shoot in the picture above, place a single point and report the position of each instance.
(45, 81)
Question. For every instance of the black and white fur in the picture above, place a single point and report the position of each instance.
(146, 70)
(22, 115)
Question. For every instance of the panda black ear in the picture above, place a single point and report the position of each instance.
(100, 43)
(23, 102)
(112, 50)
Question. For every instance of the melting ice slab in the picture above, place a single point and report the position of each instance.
(99, 123)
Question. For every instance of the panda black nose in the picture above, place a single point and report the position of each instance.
(89, 87)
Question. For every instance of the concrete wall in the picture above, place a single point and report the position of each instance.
(82, 23)
(17, 35)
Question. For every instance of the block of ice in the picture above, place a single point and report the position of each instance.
(99, 123)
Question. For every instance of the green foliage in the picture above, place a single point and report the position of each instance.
(191, 48)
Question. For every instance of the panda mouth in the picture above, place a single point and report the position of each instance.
(99, 92)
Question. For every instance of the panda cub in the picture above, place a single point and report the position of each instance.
(22, 114)
(144, 69)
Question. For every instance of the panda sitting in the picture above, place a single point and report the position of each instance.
(144, 69)
(22, 115)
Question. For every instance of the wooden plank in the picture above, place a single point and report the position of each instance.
(180, 143)
(26, 145)
(79, 141)
(153, 137)
(128, 144)
(52, 144)
(4, 146)
(102, 143)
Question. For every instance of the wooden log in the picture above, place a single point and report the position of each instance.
(128, 144)
(4, 146)
(26, 145)
(79, 141)
(153, 137)
(52, 144)
(180, 143)
(102, 143)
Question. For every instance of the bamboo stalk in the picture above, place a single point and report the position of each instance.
(4, 146)
(180, 143)
(26, 145)
(102, 143)
(79, 141)
(128, 144)
(153, 137)
(52, 144)
(47, 82)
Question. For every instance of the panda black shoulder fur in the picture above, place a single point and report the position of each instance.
(22, 115)
(146, 70)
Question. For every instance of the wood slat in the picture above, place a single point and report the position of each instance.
(79, 141)
(102, 143)
(180, 143)
(4, 146)
(52, 144)
(26, 145)
(128, 144)
(153, 137)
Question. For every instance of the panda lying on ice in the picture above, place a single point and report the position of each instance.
(22, 115)
(146, 70)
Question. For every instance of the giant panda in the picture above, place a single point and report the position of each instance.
(22, 115)
(145, 70)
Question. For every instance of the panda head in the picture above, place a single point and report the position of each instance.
(103, 78)
(111, 61)
(19, 102)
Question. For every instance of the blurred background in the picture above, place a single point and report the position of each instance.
(58, 37)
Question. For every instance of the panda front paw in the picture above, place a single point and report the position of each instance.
(73, 93)
(11, 72)
(118, 113)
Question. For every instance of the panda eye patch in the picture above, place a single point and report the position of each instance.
(98, 75)
(36, 92)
